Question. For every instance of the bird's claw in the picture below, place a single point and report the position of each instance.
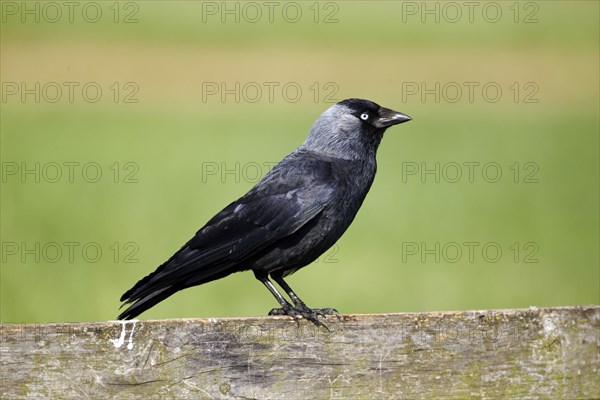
(327, 311)
(302, 311)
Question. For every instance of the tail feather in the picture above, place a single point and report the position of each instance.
(180, 258)
(164, 282)
(130, 295)
(147, 302)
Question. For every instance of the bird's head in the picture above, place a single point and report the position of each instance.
(352, 129)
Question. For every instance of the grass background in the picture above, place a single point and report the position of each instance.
(172, 135)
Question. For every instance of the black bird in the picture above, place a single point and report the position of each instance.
(297, 211)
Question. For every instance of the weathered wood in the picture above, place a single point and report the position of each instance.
(548, 353)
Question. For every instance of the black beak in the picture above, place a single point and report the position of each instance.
(389, 117)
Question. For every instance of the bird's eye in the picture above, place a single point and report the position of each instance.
(364, 116)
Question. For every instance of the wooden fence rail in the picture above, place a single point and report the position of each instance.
(549, 353)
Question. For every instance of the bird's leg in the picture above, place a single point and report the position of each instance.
(286, 307)
(298, 303)
(308, 313)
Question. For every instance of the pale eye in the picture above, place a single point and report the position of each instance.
(364, 116)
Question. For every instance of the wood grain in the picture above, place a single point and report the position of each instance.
(550, 353)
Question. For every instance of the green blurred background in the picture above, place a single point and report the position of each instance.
(171, 154)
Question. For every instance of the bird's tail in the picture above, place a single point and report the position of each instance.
(141, 304)
(176, 274)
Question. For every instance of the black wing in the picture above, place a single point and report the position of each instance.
(287, 198)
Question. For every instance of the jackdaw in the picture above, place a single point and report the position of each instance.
(297, 211)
